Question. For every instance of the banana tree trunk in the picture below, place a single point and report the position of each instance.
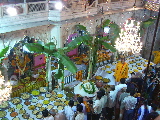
(49, 75)
(62, 79)
(90, 64)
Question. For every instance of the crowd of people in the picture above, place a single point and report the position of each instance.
(119, 102)
(129, 99)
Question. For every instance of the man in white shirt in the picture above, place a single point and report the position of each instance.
(97, 106)
(69, 111)
(80, 100)
(129, 104)
(103, 102)
(111, 102)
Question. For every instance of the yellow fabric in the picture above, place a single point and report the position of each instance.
(156, 57)
(121, 71)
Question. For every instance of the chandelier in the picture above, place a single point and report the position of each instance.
(129, 40)
(5, 89)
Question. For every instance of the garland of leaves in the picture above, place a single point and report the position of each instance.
(87, 91)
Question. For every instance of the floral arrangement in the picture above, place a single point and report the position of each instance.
(88, 87)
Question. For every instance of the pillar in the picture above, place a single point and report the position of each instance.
(56, 36)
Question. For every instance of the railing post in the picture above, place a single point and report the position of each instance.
(25, 7)
(0, 11)
(47, 5)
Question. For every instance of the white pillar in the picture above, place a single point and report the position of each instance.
(56, 34)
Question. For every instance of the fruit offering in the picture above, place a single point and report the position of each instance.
(13, 114)
(98, 77)
(22, 111)
(15, 101)
(50, 106)
(34, 100)
(16, 118)
(35, 112)
(39, 116)
(46, 102)
(25, 96)
(42, 89)
(42, 108)
(19, 106)
(60, 95)
(3, 114)
(27, 103)
(48, 95)
(31, 107)
(39, 105)
(35, 92)
(109, 72)
(11, 110)
(4, 105)
(41, 98)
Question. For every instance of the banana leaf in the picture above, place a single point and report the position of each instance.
(59, 74)
(109, 46)
(78, 40)
(81, 27)
(106, 23)
(4, 51)
(50, 46)
(66, 62)
(35, 47)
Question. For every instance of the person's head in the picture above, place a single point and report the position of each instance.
(132, 92)
(112, 88)
(79, 107)
(71, 103)
(90, 102)
(45, 113)
(133, 74)
(80, 99)
(122, 60)
(127, 90)
(122, 80)
(52, 112)
(138, 75)
(99, 95)
(151, 116)
(145, 102)
(102, 91)
(154, 107)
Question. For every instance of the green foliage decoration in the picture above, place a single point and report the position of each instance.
(145, 24)
(114, 28)
(87, 91)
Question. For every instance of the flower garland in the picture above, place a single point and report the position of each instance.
(87, 91)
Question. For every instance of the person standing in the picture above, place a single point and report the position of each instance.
(121, 70)
(129, 104)
(68, 110)
(111, 103)
(97, 106)
(80, 114)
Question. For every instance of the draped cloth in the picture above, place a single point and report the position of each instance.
(121, 71)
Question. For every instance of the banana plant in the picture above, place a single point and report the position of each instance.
(3, 52)
(50, 50)
(93, 42)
